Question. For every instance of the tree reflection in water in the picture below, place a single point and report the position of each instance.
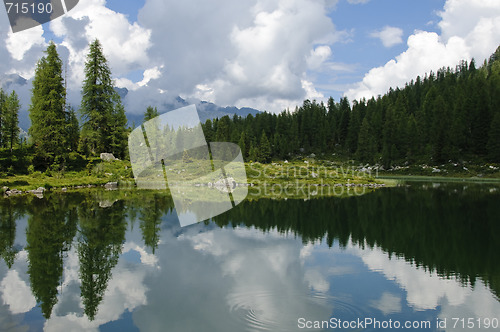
(449, 229)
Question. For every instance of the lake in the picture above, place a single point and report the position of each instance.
(424, 256)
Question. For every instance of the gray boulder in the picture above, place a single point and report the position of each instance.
(108, 157)
(111, 185)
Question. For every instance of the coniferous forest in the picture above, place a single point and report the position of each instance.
(451, 115)
(61, 138)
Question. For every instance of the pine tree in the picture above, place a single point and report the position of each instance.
(458, 129)
(345, 118)
(494, 139)
(439, 130)
(366, 143)
(3, 106)
(424, 117)
(253, 153)
(353, 129)
(242, 144)
(388, 156)
(11, 122)
(294, 142)
(278, 149)
(118, 130)
(151, 113)
(480, 115)
(47, 113)
(401, 121)
(72, 129)
(208, 131)
(222, 134)
(264, 149)
(412, 139)
(101, 108)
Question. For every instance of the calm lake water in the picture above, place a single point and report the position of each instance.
(423, 254)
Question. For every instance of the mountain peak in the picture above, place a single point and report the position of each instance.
(6, 81)
(206, 110)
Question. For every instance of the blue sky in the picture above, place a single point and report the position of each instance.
(129, 7)
(266, 54)
(363, 51)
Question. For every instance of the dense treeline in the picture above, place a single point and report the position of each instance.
(425, 227)
(436, 228)
(58, 139)
(453, 114)
(59, 222)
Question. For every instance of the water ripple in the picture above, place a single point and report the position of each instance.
(273, 311)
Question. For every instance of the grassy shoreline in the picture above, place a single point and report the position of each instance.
(424, 178)
(304, 178)
(292, 179)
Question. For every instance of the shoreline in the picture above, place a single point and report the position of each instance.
(440, 178)
(273, 178)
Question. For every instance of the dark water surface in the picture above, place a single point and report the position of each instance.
(421, 255)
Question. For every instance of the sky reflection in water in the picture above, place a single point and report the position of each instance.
(247, 278)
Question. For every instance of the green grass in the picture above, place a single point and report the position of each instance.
(100, 174)
(297, 179)
(448, 170)
(307, 178)
(437, 178)
(312, 172)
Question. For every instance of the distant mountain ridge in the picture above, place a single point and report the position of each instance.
(10, 79)
(206, 110)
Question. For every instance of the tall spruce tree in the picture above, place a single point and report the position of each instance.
(11, 122)
(118, 129)
(47, 113)
(366, 143)
(72, 129)
(102, 112)
(439, 130)
(345, 118)
(264, 148)
(3, 106)
(222, 134)
(151, 113)
(494, 139)
(242, 144)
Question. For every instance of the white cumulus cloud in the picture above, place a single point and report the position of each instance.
(18, 44)
(257, 53)
(389, 36)
(16, 293)
(125, 45)
(469, 29)
(244, 53)
(425, 290)
(318, 56)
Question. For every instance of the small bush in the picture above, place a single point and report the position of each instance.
(48, 172)
(98, 170)
(76, 161)
(36, 174)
